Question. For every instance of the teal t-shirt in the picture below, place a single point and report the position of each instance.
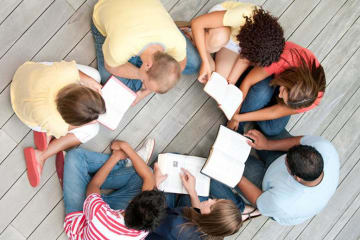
(289, 202)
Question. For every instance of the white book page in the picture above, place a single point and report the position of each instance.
(233, 144)
(118, 98)
(232, 100)
(224, 169)
(171, 165)
(216, 87)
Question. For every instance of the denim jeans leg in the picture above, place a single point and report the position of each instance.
(171, 200)
(254, 171)
(257, 98)
(80, 165)
(193, 60)
(273, 127)
(133, 84)
(219, 190)
(185, 201)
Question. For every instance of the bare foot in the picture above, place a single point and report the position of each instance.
(249, 212)
(39, 159)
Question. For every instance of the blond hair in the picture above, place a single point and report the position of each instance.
(165, 71)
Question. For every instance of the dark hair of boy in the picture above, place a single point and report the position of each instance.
(261, 39)
(146, 210)
(305, 162)
(79, 105)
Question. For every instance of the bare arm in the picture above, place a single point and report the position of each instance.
(273, 112)
(250, 191)
(88, 81)
(126, 70)
(182, 64)
(189, 182)
(101, 175)
(239, 67)
(140, 166)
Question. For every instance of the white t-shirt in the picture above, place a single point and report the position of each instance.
(289, 202)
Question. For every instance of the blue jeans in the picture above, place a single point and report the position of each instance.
(174, 200)
(81, 165)
(262, 95)
(193, 61)
(255, 168)
(219, 190)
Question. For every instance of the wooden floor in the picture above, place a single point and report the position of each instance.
(184, 120)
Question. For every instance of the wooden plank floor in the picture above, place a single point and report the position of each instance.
(184, 120)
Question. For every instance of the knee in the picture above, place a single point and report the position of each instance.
(217, 38)
(73, 159)
(269, 130)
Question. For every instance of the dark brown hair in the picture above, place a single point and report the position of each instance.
(79, 105)
(223, 220)
(302, 83)
(165, 70)
(261, 38)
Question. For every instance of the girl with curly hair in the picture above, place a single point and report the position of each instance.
(241, 34)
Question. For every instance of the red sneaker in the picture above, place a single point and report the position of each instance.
(40, 140)
(59, 164)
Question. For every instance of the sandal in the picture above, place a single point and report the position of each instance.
(254, 213)
(32, 165)
(40, 140)
(59, 165)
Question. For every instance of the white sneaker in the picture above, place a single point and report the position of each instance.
(145, 151)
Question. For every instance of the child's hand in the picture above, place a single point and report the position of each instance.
(188, 180)
(204, 73)
(233, 124)
(159, 177)
(119, 154)
(260, 141)
(117, 145)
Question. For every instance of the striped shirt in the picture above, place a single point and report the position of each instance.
(98, 221)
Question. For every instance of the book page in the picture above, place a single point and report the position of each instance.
(223, 168)
(232, 100)
(233, 144)
(118, 98)
(171, 164)
(216, 87)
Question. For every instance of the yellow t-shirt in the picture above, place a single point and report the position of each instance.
(34, 90)
(130, 26)
(235, 16)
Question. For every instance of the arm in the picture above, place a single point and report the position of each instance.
(262, 143)
(88, 81)
(239, 67)
(182, 64)
(250, 191)
(141, 95)
(101, 175)
(189, 183)
(140, 166)
(198, 26)
(126, 70)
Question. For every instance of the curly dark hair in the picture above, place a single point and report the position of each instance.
(146, 210)
(261, 38)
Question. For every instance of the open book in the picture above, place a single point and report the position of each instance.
(171, 164)
(228, 96)
(118, 98)
(227, 157)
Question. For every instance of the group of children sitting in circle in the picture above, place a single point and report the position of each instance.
(290, 181)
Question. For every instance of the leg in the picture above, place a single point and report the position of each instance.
(254, 171)
(80, 165)
(273, 127)
(171, 200)
(184, 200)
(257, 98)
(224, 61)
(193, 60)
(221, 191)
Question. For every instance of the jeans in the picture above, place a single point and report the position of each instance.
(81, 165)
(255, 168)
(193, 61)
(219, 190)
(262, 95)
(174, 200)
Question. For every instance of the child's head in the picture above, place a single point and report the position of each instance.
(217, 218)
(261, 39)
(79, 105)
(163, 74)
(300, 86)
(145, 211)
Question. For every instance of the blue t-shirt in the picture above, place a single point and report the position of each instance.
(288, 201)
(172, 228)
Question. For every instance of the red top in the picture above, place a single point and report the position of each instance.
(288, 60)
(98, 221)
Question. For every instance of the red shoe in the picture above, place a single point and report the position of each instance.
(32, 165)
(59, 164)
(40, 140)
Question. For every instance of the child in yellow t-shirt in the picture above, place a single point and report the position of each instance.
(56, 100)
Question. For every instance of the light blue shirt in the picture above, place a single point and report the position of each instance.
(288, 201)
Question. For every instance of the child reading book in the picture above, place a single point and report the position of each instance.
(60, 100)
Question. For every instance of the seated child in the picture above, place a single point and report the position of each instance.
(193, 217)
(132, 210)
(60, 100)
(294, 84)
(139, 43)
(241, 34)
